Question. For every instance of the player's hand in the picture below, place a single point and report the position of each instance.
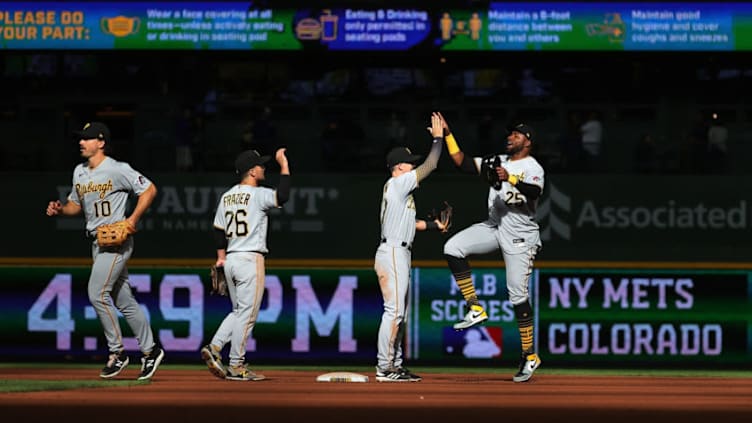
(280, 156)
(54, 208)
(220, 262)
(437, 130)
(131, 225)
(503, 174)
(444, 123)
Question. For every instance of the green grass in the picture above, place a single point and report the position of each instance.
(24, 385)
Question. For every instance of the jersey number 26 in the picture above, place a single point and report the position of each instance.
(237, 219)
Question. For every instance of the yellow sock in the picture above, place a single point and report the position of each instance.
(526, 337)
(465, 283)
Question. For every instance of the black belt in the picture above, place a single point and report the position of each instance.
(402, 244)
(251, 251)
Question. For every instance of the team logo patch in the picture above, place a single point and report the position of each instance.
(480, 342)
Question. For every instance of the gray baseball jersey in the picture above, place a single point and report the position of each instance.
(393, 257)
(102, 193)
(510, 227)
(398, 208)
(242, 214)
(510, 210)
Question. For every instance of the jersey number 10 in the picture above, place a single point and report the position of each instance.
(102, 208)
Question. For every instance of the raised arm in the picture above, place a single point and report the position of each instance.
(465, 164)
(432, 160)
(283, 190)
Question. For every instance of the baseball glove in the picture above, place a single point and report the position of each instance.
(488, 171)
(444, 215)
(219, 283)
(113, 234)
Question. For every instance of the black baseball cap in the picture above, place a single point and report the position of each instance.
(94, 130)
(523, 129)
(401, 155)
(249, 159)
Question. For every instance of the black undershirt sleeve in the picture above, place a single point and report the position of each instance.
(468, 166)
(220, 240)
(283, 190)
(530, 191)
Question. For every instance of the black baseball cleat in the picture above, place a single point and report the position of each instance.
(412, 377)
(391, 375)
(150, 362)
(115, 364)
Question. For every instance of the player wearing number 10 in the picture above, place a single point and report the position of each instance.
(240, 227)
(101, 186)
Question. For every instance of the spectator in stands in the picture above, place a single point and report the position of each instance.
(198, 142)
(570, 144)
(692, 153)
(717, 145)
(646, 155)
(532, 88)
(184, 140)
(592, 134)
(333, 145)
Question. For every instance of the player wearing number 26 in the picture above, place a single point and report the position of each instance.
(240, 227)
(101, 186)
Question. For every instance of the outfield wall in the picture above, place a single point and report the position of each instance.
(620, 315)
(335, 216)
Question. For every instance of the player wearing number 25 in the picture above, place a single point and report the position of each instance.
(516, 183)
(240, 227)
(101, 186)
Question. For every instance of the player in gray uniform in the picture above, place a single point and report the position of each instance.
(240, 227)
(516, 180)
(101, 187)
(393, 256)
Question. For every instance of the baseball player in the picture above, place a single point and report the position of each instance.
(516, 181)
(101, 186)
(240, 227)
(393, 256)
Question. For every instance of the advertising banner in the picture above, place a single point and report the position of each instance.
(587, 317)
(645, 316)
(306, 315)
(484, 26)
(335, 216)
(439, 305)
(604, 26)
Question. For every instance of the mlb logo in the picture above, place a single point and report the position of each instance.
(476, 342)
